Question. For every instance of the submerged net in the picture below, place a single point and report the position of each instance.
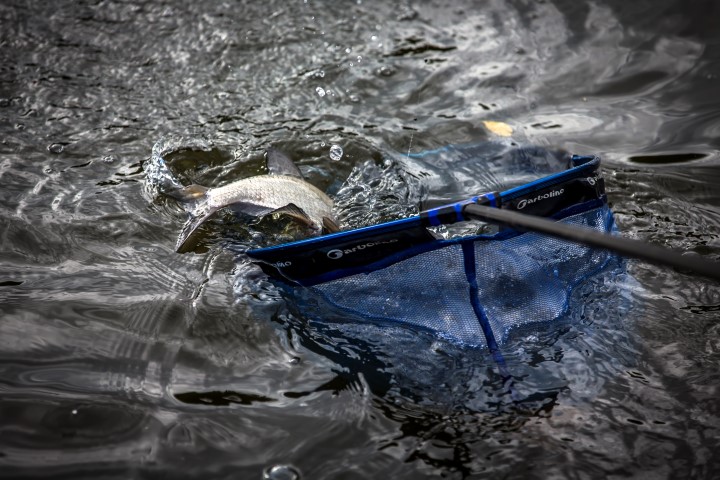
(457, 288)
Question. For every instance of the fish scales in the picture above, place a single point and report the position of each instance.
(273, 192)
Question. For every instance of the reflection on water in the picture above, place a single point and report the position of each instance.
(121, 358)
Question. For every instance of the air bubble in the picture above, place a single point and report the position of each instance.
(386, 71)
(281, 472)
(336, 152)
(55, 148)
(320, 91)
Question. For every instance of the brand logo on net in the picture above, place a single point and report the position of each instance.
(336, 253)
(524, 203)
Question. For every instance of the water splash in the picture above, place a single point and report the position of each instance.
(158, 176)
(377, 193)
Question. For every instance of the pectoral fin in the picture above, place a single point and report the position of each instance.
(329, 226)
(296, 213)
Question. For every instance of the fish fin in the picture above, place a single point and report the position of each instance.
(280, 164)
(188, 238)
(329, 226)
(296, 213)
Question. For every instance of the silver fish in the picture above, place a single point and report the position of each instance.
(284, 191)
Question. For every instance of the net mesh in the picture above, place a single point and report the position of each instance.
(522, 280)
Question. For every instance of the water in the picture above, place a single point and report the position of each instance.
(123, 359)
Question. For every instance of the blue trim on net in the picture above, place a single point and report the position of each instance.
(492, 198)
(550, 180)
(380, 228)
(458, 207)
(470, 273)
(437, 244)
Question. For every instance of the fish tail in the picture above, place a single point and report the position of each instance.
(194, 200)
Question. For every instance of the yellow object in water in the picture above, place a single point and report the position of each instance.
(500, 129)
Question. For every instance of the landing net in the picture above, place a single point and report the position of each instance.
(473, 290)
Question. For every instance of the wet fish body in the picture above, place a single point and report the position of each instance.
(263, 194)
(283, 191)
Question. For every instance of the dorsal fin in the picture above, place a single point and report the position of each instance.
(280, 164)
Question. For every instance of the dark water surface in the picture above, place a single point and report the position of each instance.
(121, 359)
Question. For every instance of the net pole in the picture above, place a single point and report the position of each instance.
(622, 245)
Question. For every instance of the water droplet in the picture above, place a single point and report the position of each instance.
(407, 13)
(336, 152)
(386, 71)
(359, 58)
(354, 98)
(281, 472)
(108, 158)
(320, 91)
(348, 50)
(295, 360)
(322, 144)
(55, 148)
(74, 412)
(373, 38)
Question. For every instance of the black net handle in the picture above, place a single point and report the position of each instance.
(624, 246)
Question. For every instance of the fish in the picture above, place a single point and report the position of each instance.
(283, 191)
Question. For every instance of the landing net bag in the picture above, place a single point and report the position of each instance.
(474, 289)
